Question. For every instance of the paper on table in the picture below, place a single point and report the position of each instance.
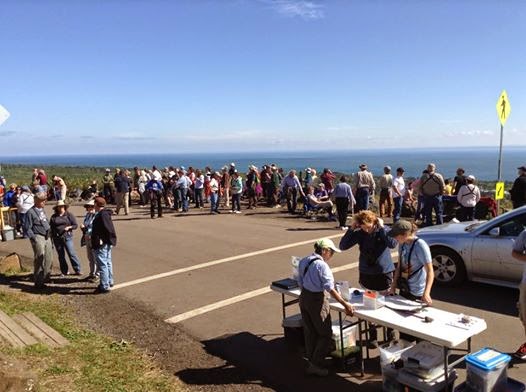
(397, 302)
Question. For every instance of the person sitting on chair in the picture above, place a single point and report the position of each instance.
(318, 203)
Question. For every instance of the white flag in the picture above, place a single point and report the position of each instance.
(4, 114)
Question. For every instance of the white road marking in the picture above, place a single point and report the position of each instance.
(238, 298)
(216, 262)
(242, 297)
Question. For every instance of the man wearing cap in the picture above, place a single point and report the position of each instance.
(37, 227)
(316, 281)
(432, 188)
(468, 196)
(24, 202)
(385, 184)
(364, 187)
(398, 190)
(518, 191)
(103, 237)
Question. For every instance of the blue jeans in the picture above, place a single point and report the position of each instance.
(433, 203)
(235, 201)
(63, 247)
(198, 195)
(362, 199)
(214, 201)
(184, 198)
(105, 266)
(22, 217)
(397, 202)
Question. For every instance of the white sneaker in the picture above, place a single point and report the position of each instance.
(238, 212)
(344, 228)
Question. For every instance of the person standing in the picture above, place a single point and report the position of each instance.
(122, 187)
(414, 273)
(364, 187)
(251, 183)
(214, 193)
(42, 180)
(103, 238)
(60, 188)
(459, 180)
(199, 184)
(375, 264)
(87, 228)
(399, 191)
(236, 185)
(327, 178)
(468, 196)
(108, 186)
(316, 281)
(225, 185)
(290, 187)
(432, 188)
(155, 188)
(62, 224)
(23, 204)
(519, 253)
(518, 190)
(385, 184)
(343, 197)
(275, 181)
(37, 227)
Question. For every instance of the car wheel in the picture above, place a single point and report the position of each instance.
(448, 266)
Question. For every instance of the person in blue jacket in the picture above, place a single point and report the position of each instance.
(155, 189)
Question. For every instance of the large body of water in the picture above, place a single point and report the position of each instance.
(481, 162)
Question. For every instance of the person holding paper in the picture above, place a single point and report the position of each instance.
(316, 280)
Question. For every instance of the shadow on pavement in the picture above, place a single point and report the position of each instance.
(276, 366)
(482, 296)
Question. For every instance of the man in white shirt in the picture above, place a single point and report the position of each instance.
(398, 193)
(468, 196)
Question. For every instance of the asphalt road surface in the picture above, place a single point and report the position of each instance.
(209, 274)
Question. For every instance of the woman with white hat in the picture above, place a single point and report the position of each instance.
(62, 224)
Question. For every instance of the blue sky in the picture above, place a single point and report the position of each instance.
(226, 75)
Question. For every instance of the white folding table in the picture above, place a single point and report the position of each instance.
(443, 330)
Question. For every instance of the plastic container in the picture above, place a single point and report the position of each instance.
(425, 360)
(350, 335)
(8, 234)
(511, 386)
(487, 370)
(392, 352)
(390, 379)
(295, 262)
(372, 300)
(293, 330)
(413, 383)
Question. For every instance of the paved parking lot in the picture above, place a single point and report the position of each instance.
(210, 276)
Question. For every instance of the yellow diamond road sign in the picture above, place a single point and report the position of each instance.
(503, 107)
(499, 191)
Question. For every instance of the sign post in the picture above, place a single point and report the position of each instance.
(503, 112)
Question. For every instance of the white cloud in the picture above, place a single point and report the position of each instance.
(238, 136)
(307, 10)
(470, 133)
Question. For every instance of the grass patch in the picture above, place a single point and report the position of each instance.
(90, 362)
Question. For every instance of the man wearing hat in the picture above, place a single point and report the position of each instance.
(364, 187)
(24, 202)
(36, 225)
(87, 228)
(518, 190)
(431, 187)
(468, 196)
(316, 281)
(386, 202)
(103, 238)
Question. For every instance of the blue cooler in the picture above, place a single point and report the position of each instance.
(511, 386)
(487, 371)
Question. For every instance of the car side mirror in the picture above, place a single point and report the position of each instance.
(495, 232)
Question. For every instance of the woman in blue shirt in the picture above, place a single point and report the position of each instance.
(414, 274)
(315, 279)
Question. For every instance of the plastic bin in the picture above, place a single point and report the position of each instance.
(8, 234)
(350, 335)
(293, 330)
(487, 370)
(425, 359)
(392, 352)
(412, 383)
(510, 386)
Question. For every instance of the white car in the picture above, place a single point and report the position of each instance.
(479, 251)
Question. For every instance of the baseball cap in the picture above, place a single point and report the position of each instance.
(326, 243)
(400, 227)
(471, 177)
(523, 168)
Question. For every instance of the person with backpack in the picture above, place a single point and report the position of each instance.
(375, 262)
(468, 196)
(432, 188)
(316, 280)
(155, 188)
